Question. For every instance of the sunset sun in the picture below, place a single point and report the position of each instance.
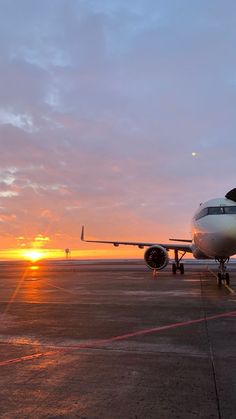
(33, 255)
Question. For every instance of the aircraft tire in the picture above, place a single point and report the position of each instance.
(227, 281)
(181, 268)
(219, 279)
(174, 268)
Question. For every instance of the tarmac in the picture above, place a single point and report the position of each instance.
(105, 340)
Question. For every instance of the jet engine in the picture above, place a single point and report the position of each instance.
(156, 257)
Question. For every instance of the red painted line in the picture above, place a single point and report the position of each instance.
(100, 342)
(151, 330)
(26, 358)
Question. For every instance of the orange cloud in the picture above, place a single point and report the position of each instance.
(40, 241)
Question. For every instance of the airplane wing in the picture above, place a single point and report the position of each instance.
(141, 245)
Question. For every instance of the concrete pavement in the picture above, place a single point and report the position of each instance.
(106, 341)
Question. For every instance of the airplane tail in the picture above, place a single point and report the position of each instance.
(231, 195)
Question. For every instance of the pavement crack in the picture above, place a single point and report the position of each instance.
(210, 349)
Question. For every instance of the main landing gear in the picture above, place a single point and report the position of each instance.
(177, 266)
(223, 276)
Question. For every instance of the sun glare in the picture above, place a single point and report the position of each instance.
(33, 255)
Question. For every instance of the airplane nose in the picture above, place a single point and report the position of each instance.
(229, 229)
(224, 239)
(225, 225)
(218, 236)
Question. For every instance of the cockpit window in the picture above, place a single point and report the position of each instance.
(202, 213)
(215, 211)
(230, 210)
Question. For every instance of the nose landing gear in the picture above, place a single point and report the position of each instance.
(223, 276)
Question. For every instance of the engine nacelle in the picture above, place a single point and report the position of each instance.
(156, 257)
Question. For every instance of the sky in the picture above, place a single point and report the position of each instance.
(102, 104)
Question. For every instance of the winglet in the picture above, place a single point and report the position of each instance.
(82, 234)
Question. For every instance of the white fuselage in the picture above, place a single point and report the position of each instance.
(214, 229)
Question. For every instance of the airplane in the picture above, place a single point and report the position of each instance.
(213, 237)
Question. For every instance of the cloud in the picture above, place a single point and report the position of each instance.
(22, 121)
(102, 104)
